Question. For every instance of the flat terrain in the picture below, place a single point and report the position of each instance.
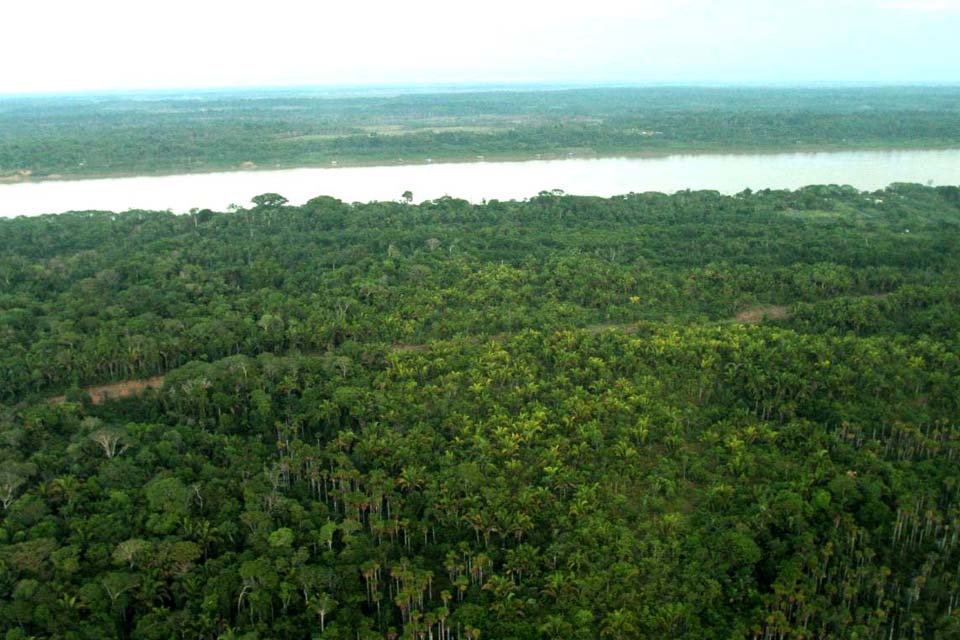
(148, 134)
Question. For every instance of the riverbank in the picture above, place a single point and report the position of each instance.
(463, 158)
(483, 181)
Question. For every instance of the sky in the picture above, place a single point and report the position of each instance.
(95, 45)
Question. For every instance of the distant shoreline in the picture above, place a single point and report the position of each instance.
(725, 173)
(440, 88)
(470, 159)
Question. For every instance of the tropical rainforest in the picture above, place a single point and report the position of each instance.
(49, 137)
(649, 416)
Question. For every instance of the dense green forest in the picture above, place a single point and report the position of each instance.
(86, 135)
(648, 416)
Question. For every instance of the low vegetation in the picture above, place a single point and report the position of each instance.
(78, 136)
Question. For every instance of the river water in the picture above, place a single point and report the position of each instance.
(476, 181)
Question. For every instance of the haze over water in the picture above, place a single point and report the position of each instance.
(478, 181)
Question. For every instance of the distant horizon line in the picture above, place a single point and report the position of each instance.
(487, 86)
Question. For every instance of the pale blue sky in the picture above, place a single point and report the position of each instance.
(60, 45)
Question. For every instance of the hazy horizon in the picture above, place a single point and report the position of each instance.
(468, 87)
(108, 46)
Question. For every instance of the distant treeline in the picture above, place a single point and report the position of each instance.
(143, 134)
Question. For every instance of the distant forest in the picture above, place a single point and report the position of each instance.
(690, 416)
(84, 136)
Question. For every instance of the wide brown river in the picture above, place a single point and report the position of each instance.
(477, 181)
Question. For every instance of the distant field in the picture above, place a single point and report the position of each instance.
(141, 134)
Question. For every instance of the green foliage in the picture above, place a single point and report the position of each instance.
(269, 200)
(106, 135)
(651, 416)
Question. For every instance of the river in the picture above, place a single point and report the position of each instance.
(476, 181)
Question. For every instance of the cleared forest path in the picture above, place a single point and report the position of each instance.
(100, 393)
(758, 313)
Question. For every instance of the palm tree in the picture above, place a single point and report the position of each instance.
(619, 624)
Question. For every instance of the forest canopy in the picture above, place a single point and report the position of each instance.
(664, 416)
(104, 135)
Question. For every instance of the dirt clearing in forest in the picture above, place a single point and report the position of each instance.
(116, 390)
(756, 314)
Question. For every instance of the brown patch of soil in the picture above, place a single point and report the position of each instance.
(116, 390)
(756, 314)
(400, 347)
(598, 328)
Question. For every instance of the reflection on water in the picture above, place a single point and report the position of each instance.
(865, 170)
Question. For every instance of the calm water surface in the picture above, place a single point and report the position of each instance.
(476, 181)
